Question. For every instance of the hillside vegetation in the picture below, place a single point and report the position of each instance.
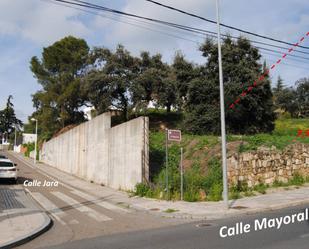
(203, 177)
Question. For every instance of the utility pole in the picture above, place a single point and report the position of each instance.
(223, 132)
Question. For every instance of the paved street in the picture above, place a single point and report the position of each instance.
(192, 236)
(82, 220)
(79, 215)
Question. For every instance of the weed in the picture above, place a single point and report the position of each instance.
(142, 189)
(261, 188)
(171, 210)
(297, 180)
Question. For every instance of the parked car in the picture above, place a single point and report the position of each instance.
(8, 169)
(3, 157)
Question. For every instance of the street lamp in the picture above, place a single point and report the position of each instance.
(36, 139)
(15, 127)
(223, 132)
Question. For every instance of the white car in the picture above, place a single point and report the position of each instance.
(8, 169)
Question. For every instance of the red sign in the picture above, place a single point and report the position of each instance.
(174, 135)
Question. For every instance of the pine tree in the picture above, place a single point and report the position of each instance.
(279, 86)
(8, 119)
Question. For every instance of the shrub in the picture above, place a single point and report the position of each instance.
(297, 180)
(142, 189)
(261, 188)
(215, 193)
(30, 147)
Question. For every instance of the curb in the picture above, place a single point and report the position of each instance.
(48, 223)
(213, 216)
(210, 216)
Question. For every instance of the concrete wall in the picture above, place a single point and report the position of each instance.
(4, 146)
(268, 165)
(116, 157)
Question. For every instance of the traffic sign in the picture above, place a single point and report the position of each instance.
(174, 135)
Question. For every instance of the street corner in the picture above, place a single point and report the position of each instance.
(21, 219)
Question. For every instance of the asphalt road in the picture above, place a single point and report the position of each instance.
(83, 222)
(79, 215)
(191, 236)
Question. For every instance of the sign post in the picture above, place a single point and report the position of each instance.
(170, 135)
(166, 163)
(181, 174)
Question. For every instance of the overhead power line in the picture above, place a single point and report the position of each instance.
(222, 24)
(99, 7)
(196, 31)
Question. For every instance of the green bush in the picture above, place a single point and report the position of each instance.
(142, 189)
(261, 188)
(30, 147)
(297, 180)
(215, 193)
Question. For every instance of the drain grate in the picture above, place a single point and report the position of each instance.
(204, 225)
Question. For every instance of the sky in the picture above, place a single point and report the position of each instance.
(27, 26)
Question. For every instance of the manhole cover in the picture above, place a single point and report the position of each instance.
(239, 207)
(204, 225)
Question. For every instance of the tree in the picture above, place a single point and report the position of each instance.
(277, 90)
(241, 68)
(184, 72)
(128, 83)
(151, 73)
(302, 92)
(8, 120)
(59, 72)
(166, 91)
(112, 75)
(279, 86)
(287, 101)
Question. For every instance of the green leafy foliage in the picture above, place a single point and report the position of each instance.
(293, 100)
(253, 114)
(59, 72)
(142, 189)
(8, 120)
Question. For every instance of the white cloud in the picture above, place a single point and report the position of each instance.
(151, 37)
(39, 21)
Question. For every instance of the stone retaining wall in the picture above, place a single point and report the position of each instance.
(267, 165)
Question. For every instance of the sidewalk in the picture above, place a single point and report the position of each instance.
(20, 218)
(180, 209)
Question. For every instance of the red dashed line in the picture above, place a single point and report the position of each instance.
(244, 93)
